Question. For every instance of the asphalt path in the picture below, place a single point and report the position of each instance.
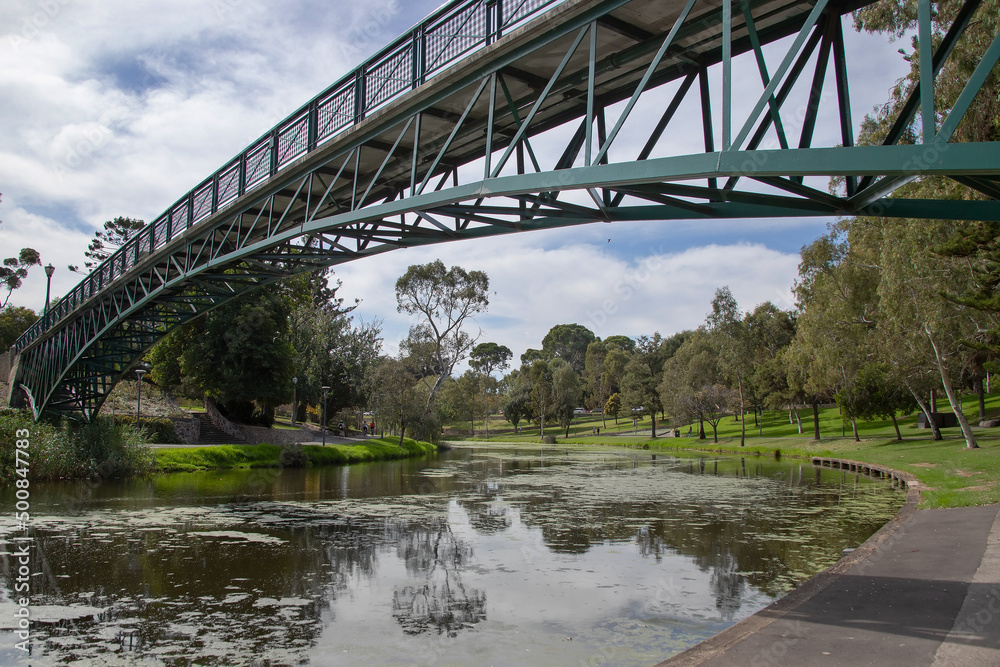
(924, 590)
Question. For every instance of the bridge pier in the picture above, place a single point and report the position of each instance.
(9, 363)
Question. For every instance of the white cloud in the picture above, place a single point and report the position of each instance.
(534, 288)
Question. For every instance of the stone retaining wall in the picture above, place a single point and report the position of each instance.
(188, 429)
(256, 435)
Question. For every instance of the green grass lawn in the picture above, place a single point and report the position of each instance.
(189, 459)
(774, 424)
(951, 475)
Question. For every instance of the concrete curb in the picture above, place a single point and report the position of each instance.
(717, 645)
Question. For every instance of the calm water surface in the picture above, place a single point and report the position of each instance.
(479, 556)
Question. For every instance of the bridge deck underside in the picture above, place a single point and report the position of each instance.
(533, 131)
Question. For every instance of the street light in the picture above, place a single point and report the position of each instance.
(295, 387)
(138, 405)
(325, 389)
(49, 270)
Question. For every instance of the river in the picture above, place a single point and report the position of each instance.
(499, 555)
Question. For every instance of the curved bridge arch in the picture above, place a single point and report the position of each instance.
(437, 138)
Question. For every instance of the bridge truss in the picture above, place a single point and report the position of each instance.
(503, 116)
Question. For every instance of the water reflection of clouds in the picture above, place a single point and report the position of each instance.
(571, 562)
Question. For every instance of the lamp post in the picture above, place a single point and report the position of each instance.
(49, 270)
(325, 389)
(138, 404)
(295, 389)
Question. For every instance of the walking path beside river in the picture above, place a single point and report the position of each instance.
(925, 590)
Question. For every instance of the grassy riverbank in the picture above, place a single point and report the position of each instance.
(188, 459)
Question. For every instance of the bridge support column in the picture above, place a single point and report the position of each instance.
(10, 394)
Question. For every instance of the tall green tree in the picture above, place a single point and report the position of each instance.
(331, 350)
(569, 342)
(543, 393)
(729, 333)
(686, 375)
(14, 321)
(516, 403)
(444, 299)
(241, 355)
(399, 405)
(488, 358)
(638, 390)
(566, 391)
(769, 330)
(106, 241)
(15, 270)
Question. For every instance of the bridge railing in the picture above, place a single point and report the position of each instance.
(442, 39)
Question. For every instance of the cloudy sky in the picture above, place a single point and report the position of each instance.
(118, 107)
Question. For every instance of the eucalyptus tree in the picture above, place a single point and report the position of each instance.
(639, 389)
(693, 367)
(394, 389)
(106, 241)
(15, 269)
(876, 394)
(568, 342)
(566, 391)
(916, 318)
(769, 330)
(730, 336)
(597, 390)
(445, 299)
(488, 358)
(516, 402)
(913, 282)
(543, 393)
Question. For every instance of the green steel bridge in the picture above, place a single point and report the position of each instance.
(437, 138)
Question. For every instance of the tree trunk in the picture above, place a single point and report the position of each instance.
(798, 419)
(895, 425)
(743, 421)
(854, 427)
(653, 419)
(701, 429)
(815, 421)
(935, 431)
(956, 405)
(981, 395)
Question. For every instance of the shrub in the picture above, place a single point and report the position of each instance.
(292, 456)
(101, 450)
(157, 429)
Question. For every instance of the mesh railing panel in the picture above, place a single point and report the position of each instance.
(454, 35)
(258, 163)
(335, 112)
(203, 202)
(293, 139)
(389, 77)
(229, 184)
